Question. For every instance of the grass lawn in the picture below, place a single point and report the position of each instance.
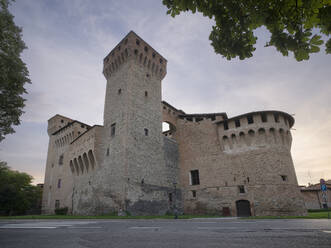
(311, 215)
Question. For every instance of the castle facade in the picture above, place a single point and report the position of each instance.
(205, 163)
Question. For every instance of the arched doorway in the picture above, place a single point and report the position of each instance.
(243, 208)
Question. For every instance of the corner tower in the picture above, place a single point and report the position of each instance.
(133, 126)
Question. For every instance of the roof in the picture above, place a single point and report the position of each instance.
(85, 132)
(170, 106)
(69, 124)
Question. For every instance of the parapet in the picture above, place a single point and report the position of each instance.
(255, 130)
(134, 47)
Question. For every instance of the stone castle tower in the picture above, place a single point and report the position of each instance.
(205, 163)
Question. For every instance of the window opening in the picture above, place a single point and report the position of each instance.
(276, 117)
(119, 91)
(241, 188)
(226, 125)
(237, 123)
(195, 180)
(59, 183)
(57, 204)
(113, 129)
(194, 193)
(250, 119)
(61, 159)
(146, 93)
(284, 177)
(146, 131)
(264, 117)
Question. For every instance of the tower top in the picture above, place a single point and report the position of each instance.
(134, 47)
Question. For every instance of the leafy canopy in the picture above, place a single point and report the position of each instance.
(13, 72)
(290, 23)
(16, 192)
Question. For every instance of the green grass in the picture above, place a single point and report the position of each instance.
(106, 217)
(311, 215)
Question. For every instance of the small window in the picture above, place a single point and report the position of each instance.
(194, 193)
(170, 197)
(250, 119)
(57, 204)
(161, 61)
(264, 117)
(61, 159)
(52, 165)
(147, 75)
(59, 183)
(195, 180)
(138, 42)
(107, 151)
(284, 177)
(153, 55)
(135, 51)
(226, 125)
(82, 126)
(146, 131)
(237, 123)
(276, 117)
(119, 91)
(62, 121)
(146, 49)
(146, 93)
(241, 189)
(113, 129)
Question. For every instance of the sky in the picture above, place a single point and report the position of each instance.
(67, 41)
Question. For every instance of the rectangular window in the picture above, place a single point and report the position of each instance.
(264, 117)
(146, 131)
(59, 183)
(195, 177)
(57, 204)
(113, 129)
(237, 122)
(194, 193)
(284, 177)
(226, 126)
(61, 159)
(241, 188)
(250, 119)
(170, 197)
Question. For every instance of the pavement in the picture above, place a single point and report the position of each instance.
(165, 233)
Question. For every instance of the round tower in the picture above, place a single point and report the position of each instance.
(262, 142)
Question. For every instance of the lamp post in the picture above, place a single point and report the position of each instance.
(175, 207)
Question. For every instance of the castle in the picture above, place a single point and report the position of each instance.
(205, 163)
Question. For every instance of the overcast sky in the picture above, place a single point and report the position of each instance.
(67, 41)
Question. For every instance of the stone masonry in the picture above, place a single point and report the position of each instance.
(204, 163)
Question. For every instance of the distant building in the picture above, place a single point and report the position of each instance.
(205, 163)
(312, 195)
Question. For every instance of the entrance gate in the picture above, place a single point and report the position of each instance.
(243, 208)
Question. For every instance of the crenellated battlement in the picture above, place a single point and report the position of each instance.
(255, 130)
(132, 47)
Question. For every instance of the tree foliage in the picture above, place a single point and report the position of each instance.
(13, 72)
(17, 195)
(295, 25)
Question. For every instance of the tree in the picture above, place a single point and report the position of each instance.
(295, 25)
(17, 195)
(13, 72)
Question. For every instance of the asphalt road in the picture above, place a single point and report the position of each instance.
(165, 233)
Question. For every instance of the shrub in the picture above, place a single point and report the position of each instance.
(61, 211)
